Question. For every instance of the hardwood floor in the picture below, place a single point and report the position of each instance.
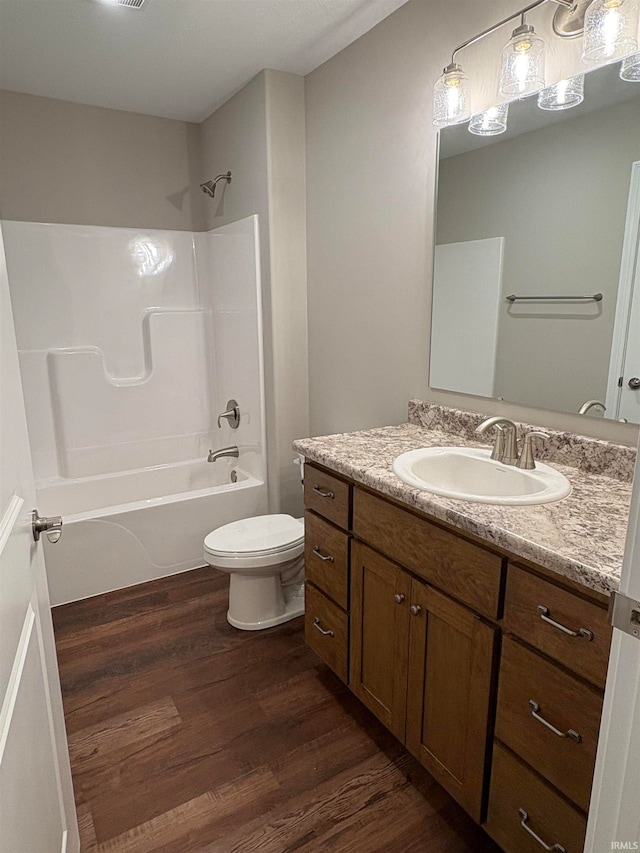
(186, 734)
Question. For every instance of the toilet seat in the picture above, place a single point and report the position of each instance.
(252, 543)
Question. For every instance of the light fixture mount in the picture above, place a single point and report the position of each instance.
(568, 21)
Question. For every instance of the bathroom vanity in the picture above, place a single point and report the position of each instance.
(483, 650)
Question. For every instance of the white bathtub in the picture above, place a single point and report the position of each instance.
(123, 529)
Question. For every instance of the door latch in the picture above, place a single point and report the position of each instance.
(624, 613)
(50, 525)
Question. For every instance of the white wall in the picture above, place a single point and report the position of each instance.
(371, 160)
(73, 163)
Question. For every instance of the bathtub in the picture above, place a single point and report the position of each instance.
(136, 526)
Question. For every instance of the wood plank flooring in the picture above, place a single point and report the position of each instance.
(188, 735)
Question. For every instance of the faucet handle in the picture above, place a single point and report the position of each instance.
(526, 459)
(232, 415)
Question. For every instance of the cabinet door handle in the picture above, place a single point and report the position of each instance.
(327, 558)
(316, 624)
(415, 609)
(581, 633)
(322, 493)
(535, 713)
(398, 598)
(550, 848)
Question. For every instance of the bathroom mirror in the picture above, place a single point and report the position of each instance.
(536, 294)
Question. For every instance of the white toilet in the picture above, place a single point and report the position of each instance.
(264, 556)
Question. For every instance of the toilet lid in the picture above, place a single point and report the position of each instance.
(262, 534)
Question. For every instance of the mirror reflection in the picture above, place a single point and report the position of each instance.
(536, 296)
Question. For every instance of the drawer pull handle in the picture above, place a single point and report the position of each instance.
(535, 713)
(415, 609)
(316, 624)
(550, 848)
(328, 558)
(322, 493)
(582, 633)
(398, 598)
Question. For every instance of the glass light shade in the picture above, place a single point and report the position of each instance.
(610, 30)
(522, 63)
(451, 101)
(562, 95)
(630, 69)
(491, 122)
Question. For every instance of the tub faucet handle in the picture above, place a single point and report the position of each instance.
(232, 415)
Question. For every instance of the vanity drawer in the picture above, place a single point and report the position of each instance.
(466, 571)
(516, 790)
(326, 558)
(326, 629)
(565, 703)
(326, 495)
(526, 593)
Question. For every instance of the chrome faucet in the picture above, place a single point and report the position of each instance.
(505, 448)
(591, 404)
(224, 451)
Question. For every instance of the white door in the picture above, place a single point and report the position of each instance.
(614, 816)
(630, 390)
(37, 813)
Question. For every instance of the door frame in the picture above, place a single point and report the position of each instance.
(628, 273)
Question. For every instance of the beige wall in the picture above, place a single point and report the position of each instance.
(545, 193)
(371, 156)
(77, 164)
(259, 135)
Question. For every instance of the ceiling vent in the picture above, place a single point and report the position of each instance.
(131, 4)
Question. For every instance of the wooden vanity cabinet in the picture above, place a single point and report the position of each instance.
(490, 672)
(379, 636)
(326, 557)
(423, 664)
(547, 722)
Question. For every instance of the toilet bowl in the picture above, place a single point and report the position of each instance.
(264, 556)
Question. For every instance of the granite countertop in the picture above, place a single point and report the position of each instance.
(581, 537)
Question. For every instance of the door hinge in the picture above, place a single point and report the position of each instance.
(624, 613)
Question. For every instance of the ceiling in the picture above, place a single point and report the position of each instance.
(179, 59)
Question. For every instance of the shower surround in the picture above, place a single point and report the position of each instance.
(131, 341)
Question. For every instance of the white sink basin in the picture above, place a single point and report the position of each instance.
(469, 473)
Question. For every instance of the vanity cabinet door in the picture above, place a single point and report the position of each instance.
(380, 592)
(451, 664)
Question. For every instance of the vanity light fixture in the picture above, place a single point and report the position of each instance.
(630, 69)
(451, 102)
(562, 95)
(522, 68)
(491, 122)
(610, 33)
(610, 30)
(522, 63)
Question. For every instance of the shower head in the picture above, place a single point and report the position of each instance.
(209, 187)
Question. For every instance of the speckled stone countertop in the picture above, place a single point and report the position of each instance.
(581, 537)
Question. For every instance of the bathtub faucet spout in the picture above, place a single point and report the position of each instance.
(224, 451)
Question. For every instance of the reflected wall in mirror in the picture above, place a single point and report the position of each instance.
(549, 209)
